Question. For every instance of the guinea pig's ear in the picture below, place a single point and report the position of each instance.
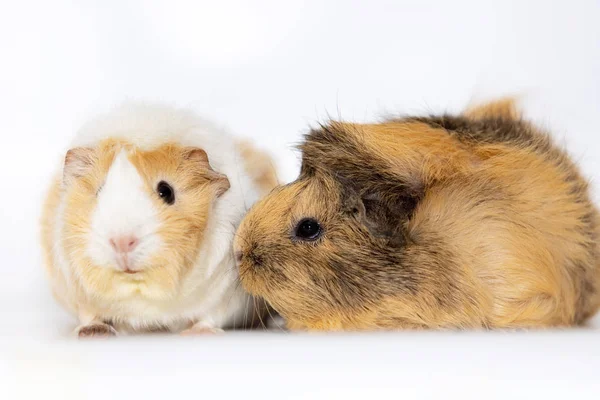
(218, 179)
(78, 161)
(383, 209)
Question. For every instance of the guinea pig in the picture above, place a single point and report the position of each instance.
(470, 221)
(138, 226)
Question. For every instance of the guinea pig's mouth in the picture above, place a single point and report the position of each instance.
(124, 264)
(132, 274)
(126, 268)
(130, 271)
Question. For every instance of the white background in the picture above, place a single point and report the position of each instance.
(266, 70)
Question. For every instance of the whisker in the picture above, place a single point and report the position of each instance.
(273, 319)
(262, 323)
(246, 312)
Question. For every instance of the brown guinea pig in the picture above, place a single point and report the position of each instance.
(469, 221)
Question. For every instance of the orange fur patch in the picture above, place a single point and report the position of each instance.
(259, 166)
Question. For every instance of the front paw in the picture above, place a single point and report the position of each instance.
(201, 330)
(96, 330)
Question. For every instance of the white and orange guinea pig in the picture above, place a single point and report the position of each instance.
(137, 228)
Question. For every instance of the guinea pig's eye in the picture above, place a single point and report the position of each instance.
(308, 229)
(165, 191)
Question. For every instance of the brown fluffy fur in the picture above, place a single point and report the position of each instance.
(469, 221)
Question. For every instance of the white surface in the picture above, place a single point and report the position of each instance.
(266, 70)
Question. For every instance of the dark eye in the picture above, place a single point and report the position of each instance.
(165, 191)
(308, 229)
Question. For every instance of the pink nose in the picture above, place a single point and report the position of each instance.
(124, 244)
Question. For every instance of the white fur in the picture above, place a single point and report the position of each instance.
(209, 294)
(123, 209)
